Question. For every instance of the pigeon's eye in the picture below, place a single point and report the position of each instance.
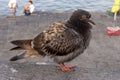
(84, 16)
(89, 16)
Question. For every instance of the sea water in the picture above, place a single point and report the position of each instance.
(59, 5)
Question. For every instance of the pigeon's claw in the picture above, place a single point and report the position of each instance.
(63, 67)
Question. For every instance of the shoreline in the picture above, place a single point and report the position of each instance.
(54, 11)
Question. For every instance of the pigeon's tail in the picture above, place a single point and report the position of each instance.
(15, 58)
(25, 54)
(22, 44)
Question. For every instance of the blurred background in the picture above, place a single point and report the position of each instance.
(61, 5)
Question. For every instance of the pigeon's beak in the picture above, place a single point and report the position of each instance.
(87, 19)
(90, 21)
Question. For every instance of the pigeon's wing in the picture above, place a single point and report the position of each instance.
(58, 40)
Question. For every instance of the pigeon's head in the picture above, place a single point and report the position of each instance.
(81, 16)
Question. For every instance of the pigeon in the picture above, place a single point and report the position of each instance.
(61, 41)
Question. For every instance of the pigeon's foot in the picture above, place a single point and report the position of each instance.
(63, 67)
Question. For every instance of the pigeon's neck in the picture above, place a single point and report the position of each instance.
(80, 27)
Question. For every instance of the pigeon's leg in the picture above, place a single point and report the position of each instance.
(63, 67)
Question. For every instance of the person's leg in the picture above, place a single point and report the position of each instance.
(27, 13)
(13, 10)
(25, 8)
